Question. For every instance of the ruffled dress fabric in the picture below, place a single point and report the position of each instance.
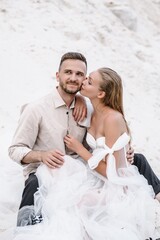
(77, 203)
(11, 187)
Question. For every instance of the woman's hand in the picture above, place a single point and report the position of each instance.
(80, 109)
(73, 143)
(130, 155)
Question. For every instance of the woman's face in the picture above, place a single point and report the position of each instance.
(90, 86)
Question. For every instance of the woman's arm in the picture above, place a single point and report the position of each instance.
(113, 127)
(78, 147)
(80, 109)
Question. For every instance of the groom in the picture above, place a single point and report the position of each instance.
(42, 127)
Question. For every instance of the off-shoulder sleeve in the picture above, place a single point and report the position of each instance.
(103, 150)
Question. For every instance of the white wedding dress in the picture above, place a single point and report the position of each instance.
(77, 203)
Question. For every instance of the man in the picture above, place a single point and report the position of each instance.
(42, 127)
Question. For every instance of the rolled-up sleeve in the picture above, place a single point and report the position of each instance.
(26, 133)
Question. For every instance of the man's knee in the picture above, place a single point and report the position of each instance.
(31, 186)
(32, 183)
(145, 169)
(140, 160)
(142, 164)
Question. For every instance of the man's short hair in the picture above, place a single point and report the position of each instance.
(74, 56)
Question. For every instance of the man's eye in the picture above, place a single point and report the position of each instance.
(68, 71)
(80, 74)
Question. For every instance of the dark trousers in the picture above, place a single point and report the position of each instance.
(31, 184)
(145, 169)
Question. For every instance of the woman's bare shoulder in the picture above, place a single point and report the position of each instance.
(113, 117)
(114, 123)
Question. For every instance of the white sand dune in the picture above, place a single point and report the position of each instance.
(123, 35)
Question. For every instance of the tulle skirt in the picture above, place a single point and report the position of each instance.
(11, 187)
(79, 204)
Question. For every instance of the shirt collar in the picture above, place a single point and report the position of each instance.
(58, 101)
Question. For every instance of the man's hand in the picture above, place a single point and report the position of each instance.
(80, 109)
(130, 155)
(53, 158)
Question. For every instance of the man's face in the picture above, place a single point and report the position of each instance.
(71, 75)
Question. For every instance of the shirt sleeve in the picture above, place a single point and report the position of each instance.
(26, 133)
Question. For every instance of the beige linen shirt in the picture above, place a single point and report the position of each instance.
(42, 127)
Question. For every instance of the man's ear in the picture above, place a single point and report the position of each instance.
(57, 76)
(101, 94)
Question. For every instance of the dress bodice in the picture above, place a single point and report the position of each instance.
(101, 150)
(94, 143)
(99, 143)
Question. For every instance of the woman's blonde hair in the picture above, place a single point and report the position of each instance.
(112, 86)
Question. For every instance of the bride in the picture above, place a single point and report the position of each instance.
(101, 197)
(124, 206)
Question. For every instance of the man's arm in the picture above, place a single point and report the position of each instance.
(130, 155)
(24, 139)
(53, 158)
(31, 157)
(25, 135)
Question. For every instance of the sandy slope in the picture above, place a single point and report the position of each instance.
(123, 35)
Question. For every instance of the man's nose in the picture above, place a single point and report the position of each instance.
(73, 77)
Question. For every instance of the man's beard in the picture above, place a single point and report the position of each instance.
(66, 90)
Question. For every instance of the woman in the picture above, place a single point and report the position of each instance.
(126, 199)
